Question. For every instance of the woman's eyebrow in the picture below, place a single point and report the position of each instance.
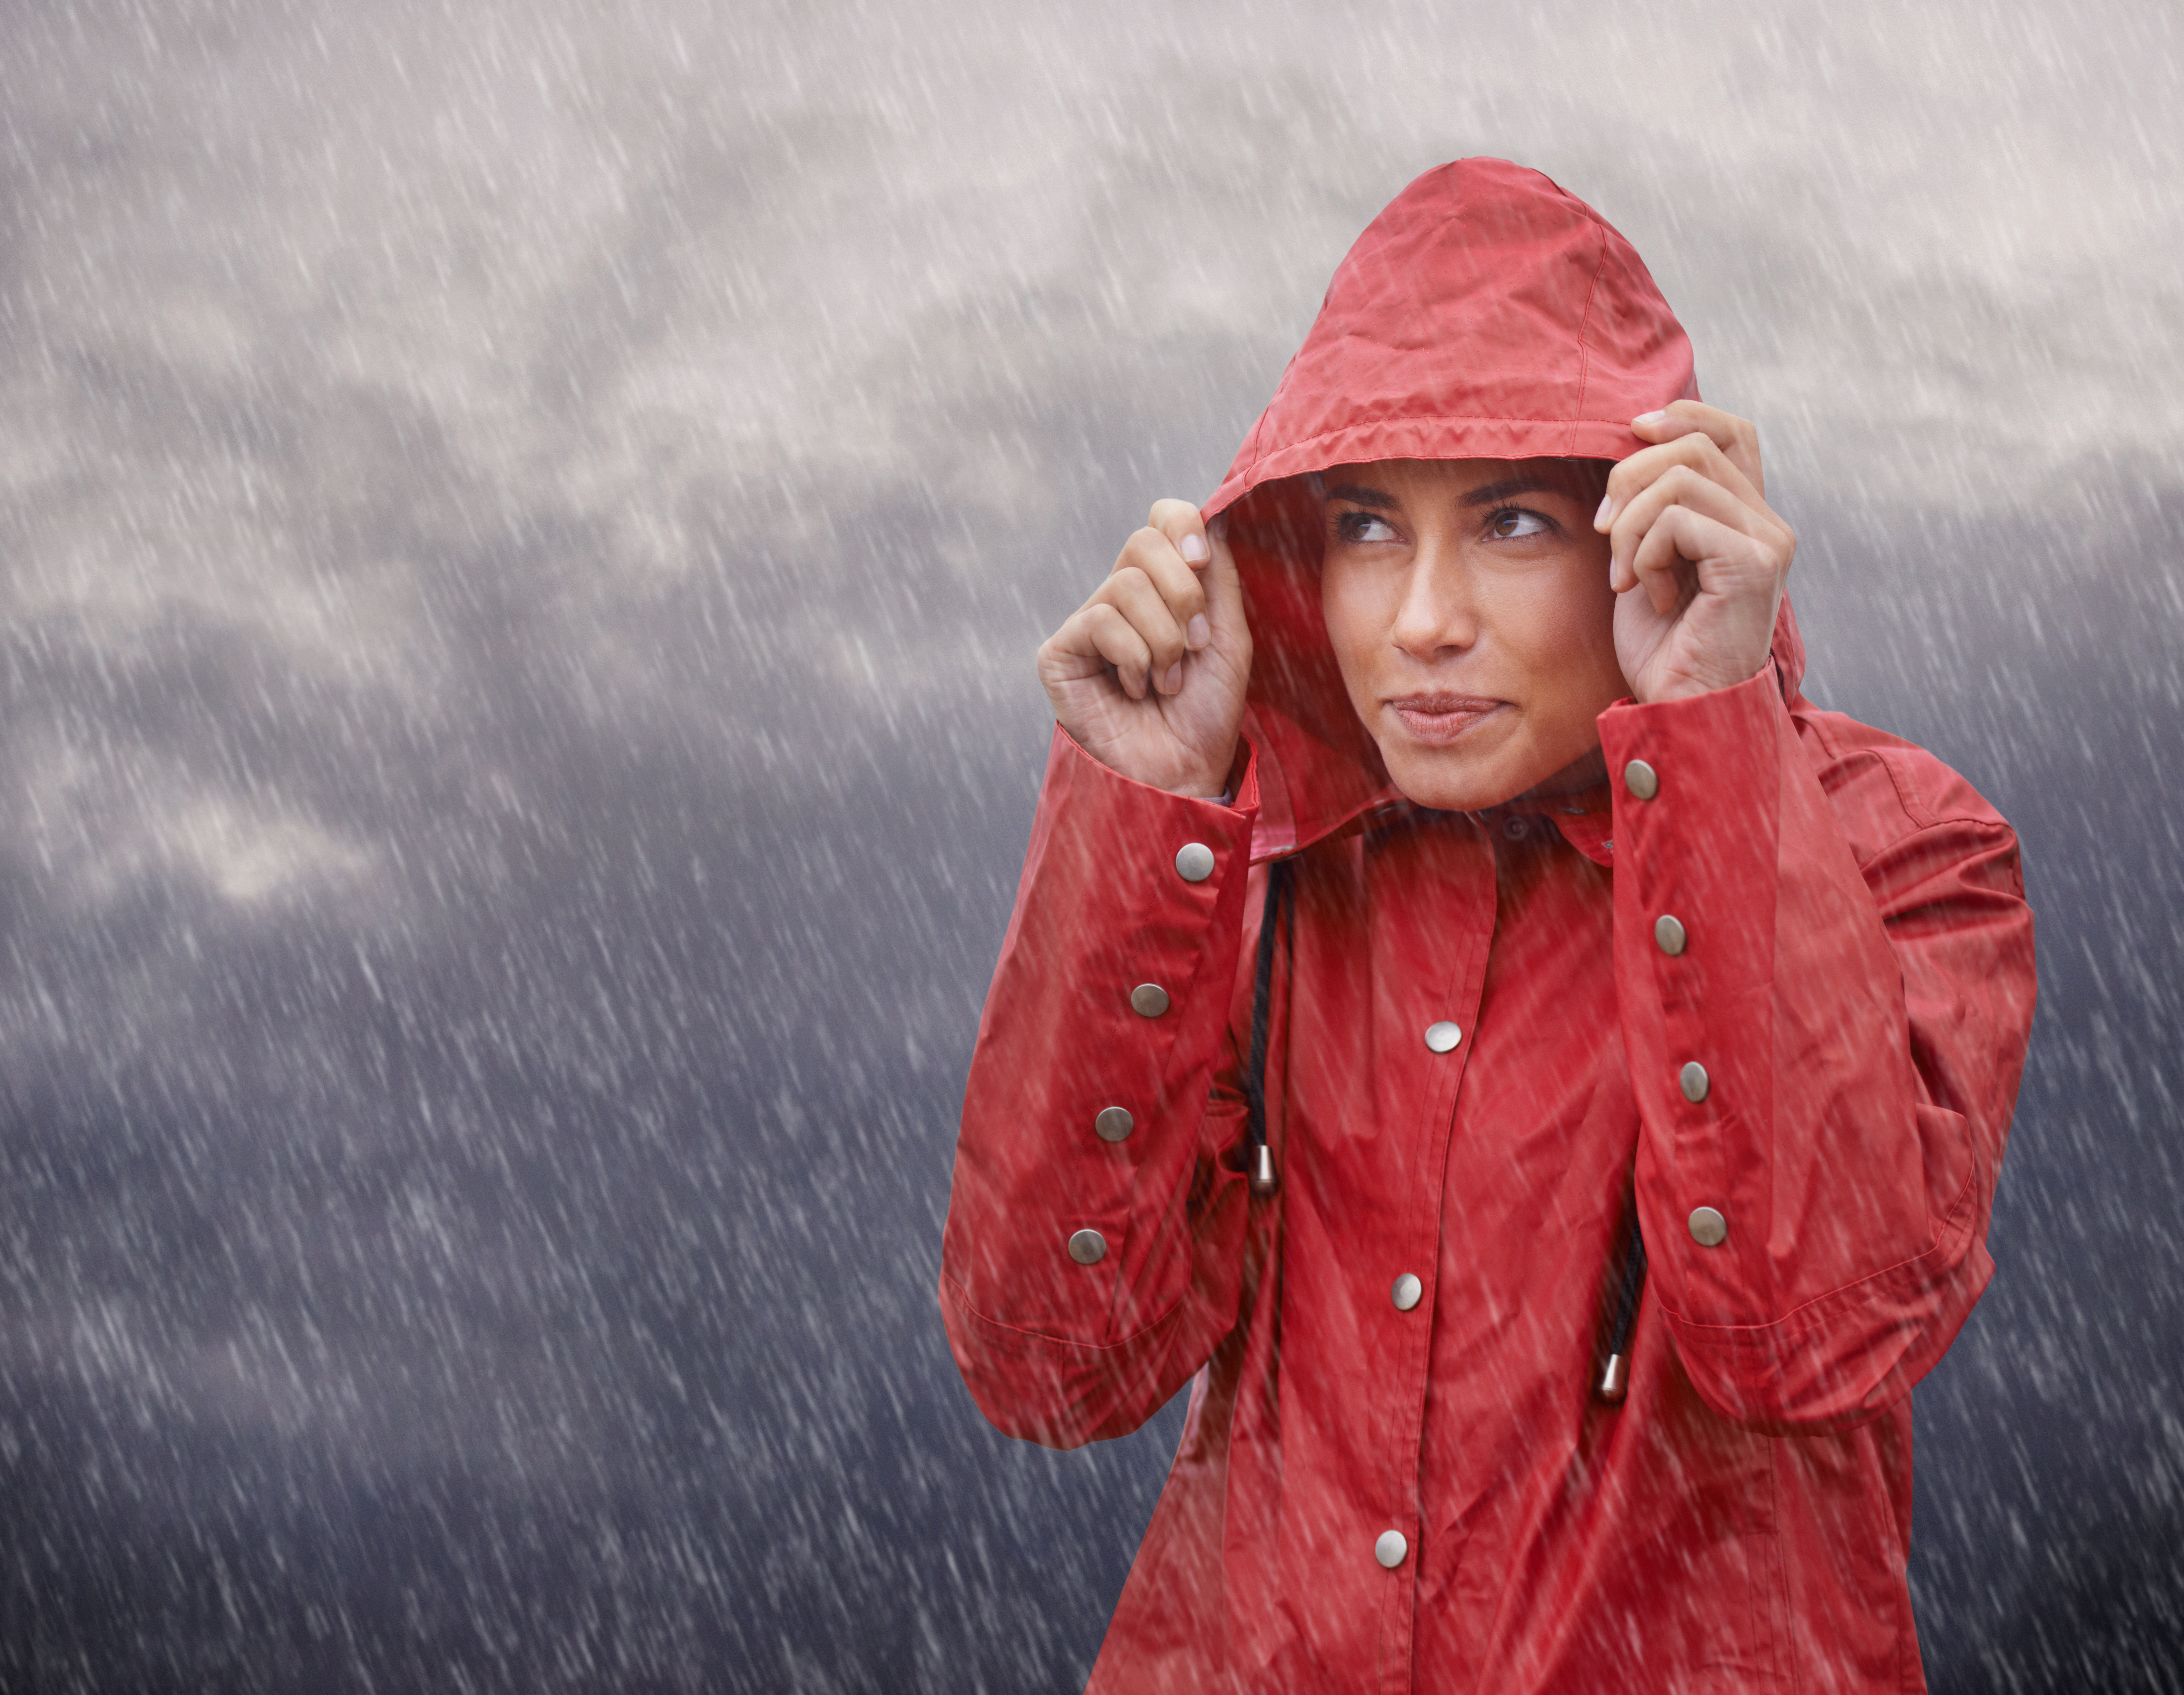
(1364, 496)
(1488, 494)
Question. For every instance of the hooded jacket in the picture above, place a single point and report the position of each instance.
(1396, 1473)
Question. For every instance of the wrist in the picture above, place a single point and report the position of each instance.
(1689, 685)
(1696, 687)
(1218, 786)
(1197, 780)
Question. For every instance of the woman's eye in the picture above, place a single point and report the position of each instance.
(1363, 526)
(1509, 524)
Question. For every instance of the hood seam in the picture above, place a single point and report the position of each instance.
(1583, 347)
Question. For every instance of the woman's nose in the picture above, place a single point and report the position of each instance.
(1436, 612)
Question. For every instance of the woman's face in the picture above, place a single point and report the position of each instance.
(1469, 604)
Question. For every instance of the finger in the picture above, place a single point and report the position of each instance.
(1738, 438)
(1659, 567)
(1093, 641)
(1687, 551)
(1694, 450)
(1681, 485)
(1179, 520)
(1100, 631)
(1151, 552)
(1133, 593)
(1224, 595)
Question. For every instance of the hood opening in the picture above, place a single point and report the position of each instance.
(1484, 313)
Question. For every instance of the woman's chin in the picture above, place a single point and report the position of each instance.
(1449, 781)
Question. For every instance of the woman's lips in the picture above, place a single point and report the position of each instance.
(1438, 719)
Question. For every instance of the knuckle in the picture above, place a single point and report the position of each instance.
(1142, 543)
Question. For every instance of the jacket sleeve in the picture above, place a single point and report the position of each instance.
(1850, 1007)
(1053, 1349)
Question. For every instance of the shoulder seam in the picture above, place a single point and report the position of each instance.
(1915, 808)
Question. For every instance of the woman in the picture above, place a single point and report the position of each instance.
(1542, 1077)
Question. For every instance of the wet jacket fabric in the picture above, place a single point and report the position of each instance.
(1856, 983)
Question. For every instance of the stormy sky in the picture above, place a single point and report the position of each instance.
(523, 527)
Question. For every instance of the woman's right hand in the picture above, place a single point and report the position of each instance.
(1148, 674)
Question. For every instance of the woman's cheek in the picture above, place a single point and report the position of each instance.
(1354, 624)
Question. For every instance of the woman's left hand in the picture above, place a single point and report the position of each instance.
(1689, 530)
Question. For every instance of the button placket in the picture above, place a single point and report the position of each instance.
(1441, 1073)
(1194, 862)
(1707, 1226)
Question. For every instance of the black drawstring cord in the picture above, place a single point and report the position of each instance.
(1615, 1376)
(1265, 1180)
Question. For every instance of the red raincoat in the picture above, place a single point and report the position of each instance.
(1857, 984)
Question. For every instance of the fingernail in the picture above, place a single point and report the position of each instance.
(1198, 632)
(1651, 418)
(1606, 511)
(1173, 680)
(1193, 549)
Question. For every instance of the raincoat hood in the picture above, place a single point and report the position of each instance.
(1486, 313)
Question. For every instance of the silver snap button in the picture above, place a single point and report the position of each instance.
(1407, 1292)
(1113, 1124)
(1514, 828)
(1087, 1248)
(1709, 1229)
(1642, 780)
(1149, 1000)
(1693, 1081)
(1668, 933)
(1194, 862)
(1390, 1549)
(1442, 1037)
